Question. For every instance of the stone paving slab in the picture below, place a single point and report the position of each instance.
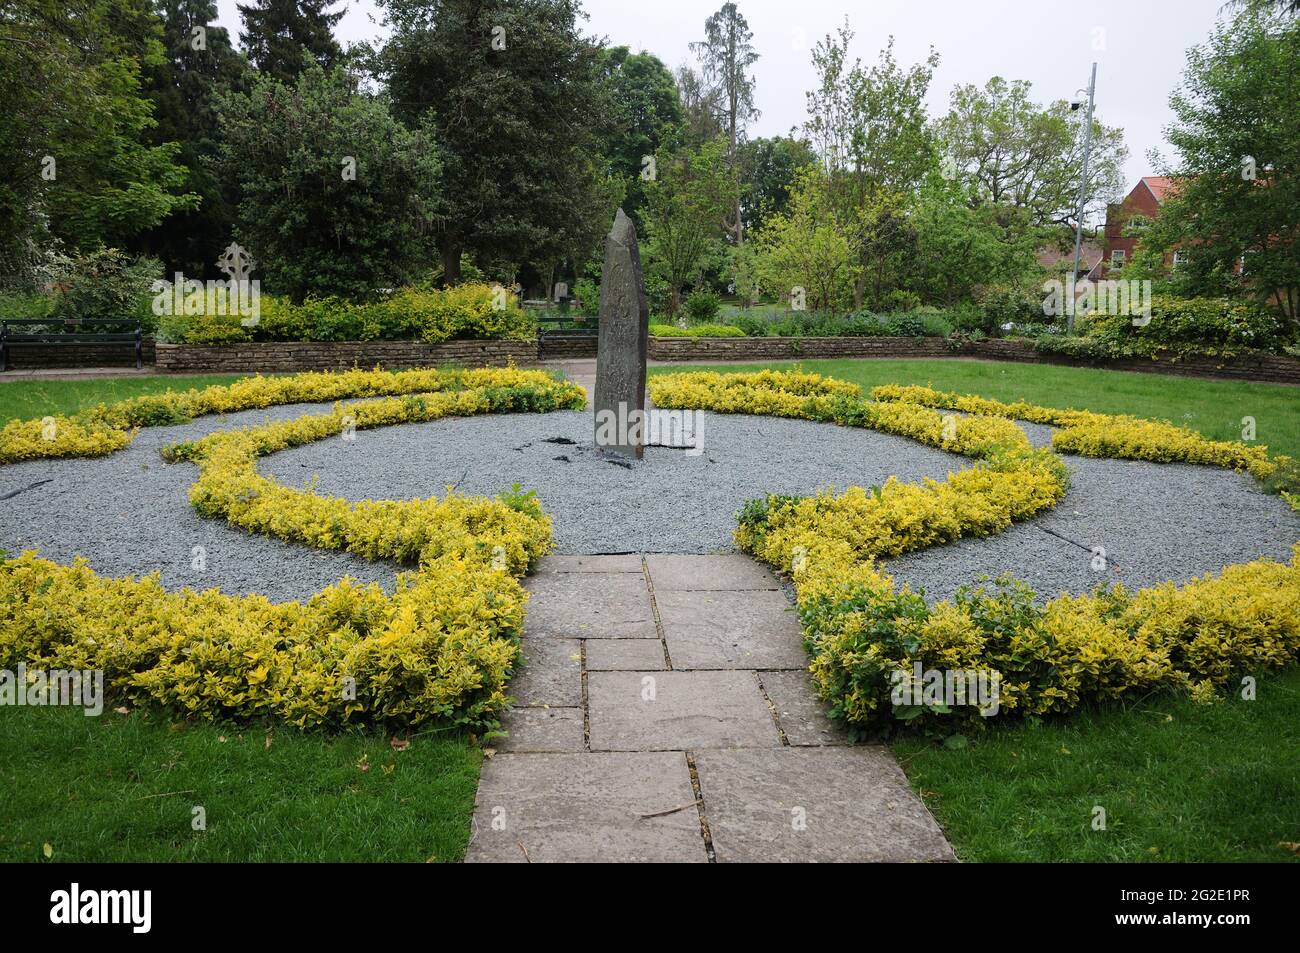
(597, 661)
(688, 710)
(815, 804)
(614, 563)
(731, 630)
(625, 655)
(552, 673)
(801, 713)
(586, 808)
(673, 572)
(542, 729)
(589, 605)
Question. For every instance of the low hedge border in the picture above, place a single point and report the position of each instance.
(440, 650)
(867, 639)
(1090, 434)
(443, 646)
(103, 429)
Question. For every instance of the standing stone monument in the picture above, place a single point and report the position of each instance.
(623, 331)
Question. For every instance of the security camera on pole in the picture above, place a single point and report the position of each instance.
(1083, 190)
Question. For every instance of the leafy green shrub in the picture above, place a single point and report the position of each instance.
(906, 325)
(970, 318)
(1004, 304)
(588, 294)
(922, 322)
(1179, 326)
(464, 311)
(698, 331)
(32, 304)
(703, 306)
(105, 283)
(202, 329)
(657, 294)
(899, 300)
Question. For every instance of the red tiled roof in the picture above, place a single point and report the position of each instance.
(1053, 256)
(1161, 186)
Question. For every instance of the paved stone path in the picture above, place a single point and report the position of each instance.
(666, 715)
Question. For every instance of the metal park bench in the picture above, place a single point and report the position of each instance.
(46, 331)
(566, 335)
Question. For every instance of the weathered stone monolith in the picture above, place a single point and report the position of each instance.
(624, 330)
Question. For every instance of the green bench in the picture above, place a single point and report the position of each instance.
(67, 331)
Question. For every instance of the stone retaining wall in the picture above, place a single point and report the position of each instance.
(1269, 368)
(566, 347)
(23, 357)
(275, 357)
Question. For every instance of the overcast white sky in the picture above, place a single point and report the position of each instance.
(1138, 45)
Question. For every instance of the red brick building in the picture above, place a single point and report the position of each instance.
(1058, 258)
(1125, 219)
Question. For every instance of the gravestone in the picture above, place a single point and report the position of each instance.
(623, 337)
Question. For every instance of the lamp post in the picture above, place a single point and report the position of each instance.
(1083, 191)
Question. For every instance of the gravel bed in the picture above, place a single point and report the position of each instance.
(128, 513)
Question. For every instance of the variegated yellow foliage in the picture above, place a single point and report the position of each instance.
(864, 634)
(440, 649)
(1102, 435)
(443, 645)
(103, 429)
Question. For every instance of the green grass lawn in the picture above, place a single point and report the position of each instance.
(123, 788)
(37, 397)
(1178, 782)
(1214, 408)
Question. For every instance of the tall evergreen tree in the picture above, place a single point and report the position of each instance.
(199, 63)
(726, 55)
(645, 114)
(278, 32)
(699, 107)
(513, 92)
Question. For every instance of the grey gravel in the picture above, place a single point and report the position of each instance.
(128, 513)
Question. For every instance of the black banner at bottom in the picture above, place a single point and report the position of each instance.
(139, 903)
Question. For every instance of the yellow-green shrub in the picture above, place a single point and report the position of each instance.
(863, 634)
(1102, 435)
(229, 487)
(469, 310)
(103, 429)
(57, 437)
(439, 650)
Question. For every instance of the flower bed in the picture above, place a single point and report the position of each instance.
(440, 649)
(866, 638)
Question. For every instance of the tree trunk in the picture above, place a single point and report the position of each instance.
(450, 253)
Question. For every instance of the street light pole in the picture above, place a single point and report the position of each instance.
(1083, 191)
